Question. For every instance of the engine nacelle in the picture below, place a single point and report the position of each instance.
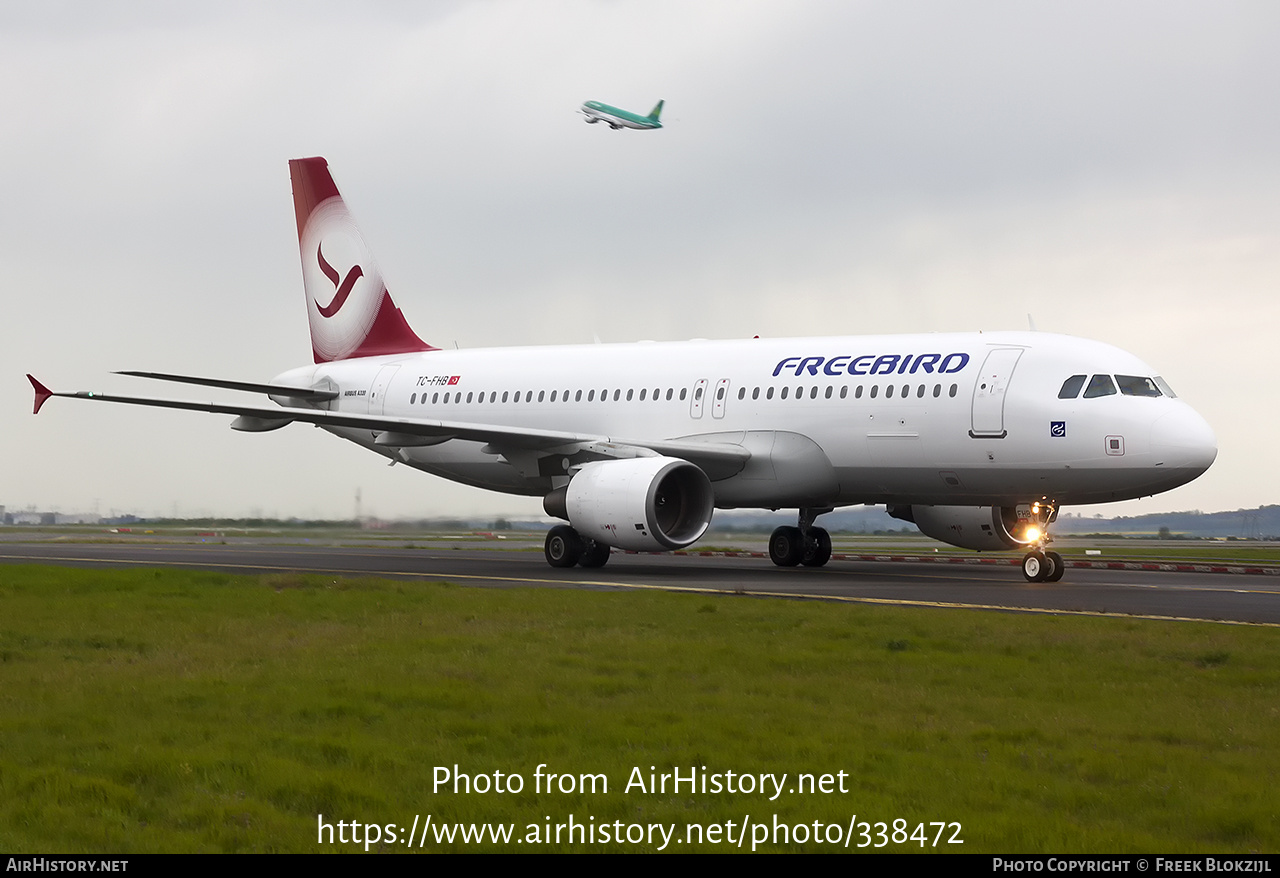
(984, 528)
(647, 504)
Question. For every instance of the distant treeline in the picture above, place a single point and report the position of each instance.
(1260, 523)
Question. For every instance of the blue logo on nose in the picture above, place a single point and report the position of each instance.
(1057, 429)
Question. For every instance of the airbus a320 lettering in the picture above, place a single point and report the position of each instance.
(977, 438)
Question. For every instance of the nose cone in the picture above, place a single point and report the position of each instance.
(1185, 441)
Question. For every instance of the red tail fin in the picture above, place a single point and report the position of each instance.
(357, 317)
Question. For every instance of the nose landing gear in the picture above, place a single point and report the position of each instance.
(1040, 565)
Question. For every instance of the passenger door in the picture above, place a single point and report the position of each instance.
(988, 393)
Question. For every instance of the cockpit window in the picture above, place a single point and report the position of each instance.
(1071, 387)
(1099, 385)
(1132, 385)
(1164, 385)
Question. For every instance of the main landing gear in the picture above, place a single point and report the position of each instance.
(1040, 565)
(806, 544)
(565, 547)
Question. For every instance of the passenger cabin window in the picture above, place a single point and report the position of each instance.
(1132, 385)
(1100, 385)
(1071, 387)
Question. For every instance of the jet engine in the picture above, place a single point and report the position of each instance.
(984, 528)
(647, 504)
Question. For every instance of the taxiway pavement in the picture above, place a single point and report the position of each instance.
(1132, 593)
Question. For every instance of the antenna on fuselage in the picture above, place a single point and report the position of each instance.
(1031, 322)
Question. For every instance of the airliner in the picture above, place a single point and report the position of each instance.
(978, 438)
(598, 112)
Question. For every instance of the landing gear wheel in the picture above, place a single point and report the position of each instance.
(1035, 567)
(786, 546)
(817, 548)
(563, 546)
(594, 554)
(1059, 567)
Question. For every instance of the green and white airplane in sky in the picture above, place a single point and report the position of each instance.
(598, 112)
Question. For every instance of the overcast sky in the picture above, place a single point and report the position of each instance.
(1111, 168)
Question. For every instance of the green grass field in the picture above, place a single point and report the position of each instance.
(167, 710)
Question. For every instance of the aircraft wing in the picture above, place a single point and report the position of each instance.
(401, 432)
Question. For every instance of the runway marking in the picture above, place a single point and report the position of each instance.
(1102, 584)
(688, 589)
(1190, 566)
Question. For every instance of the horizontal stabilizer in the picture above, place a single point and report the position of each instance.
(307, 394)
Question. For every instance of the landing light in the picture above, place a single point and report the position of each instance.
(1032, 534)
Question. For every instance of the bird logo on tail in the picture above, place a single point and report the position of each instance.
(360, 319)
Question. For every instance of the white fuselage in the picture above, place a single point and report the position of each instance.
(946, 419)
